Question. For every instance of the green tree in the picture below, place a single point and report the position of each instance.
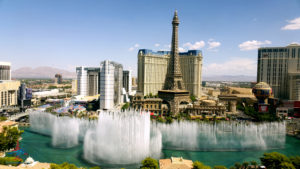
(245, 165)
(95, 167)
(89, 107)
(286, 165)
(199, 165)
(273, 160)
(295, 161)
(169, 119)
(219, 167)
(65, 165)
(160, 119)
(9, 137)
(52, 87)
(193, 98)
(149, 163)
(125, 106)
(237, 165)
(253, 163)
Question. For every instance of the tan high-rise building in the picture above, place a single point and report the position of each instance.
(9, 93)
(280, 68)
(152, 70)
(5, 72)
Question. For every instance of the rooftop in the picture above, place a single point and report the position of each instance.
(175, 163)
(5, 63)
(189, 52)
(290, 45)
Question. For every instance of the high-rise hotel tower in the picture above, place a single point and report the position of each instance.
(280, 68)
(152, 70)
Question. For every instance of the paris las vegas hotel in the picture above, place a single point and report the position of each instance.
(152, 70)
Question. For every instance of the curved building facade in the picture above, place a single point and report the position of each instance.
(5, 72)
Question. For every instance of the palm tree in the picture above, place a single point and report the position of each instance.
(237, 165)
(253, 163)
(245, 165)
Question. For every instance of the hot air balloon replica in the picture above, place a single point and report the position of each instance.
(262, 91)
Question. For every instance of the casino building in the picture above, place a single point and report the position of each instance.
(280, 68)
(152, 70)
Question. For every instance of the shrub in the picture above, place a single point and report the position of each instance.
(193, 98)
(245, 164)
(95, 167)
(273, 160)
(125, 106)
(286, 165)
(254, 163)
(199, 165)
(9, 138)
(3, 118)
(295, 161)
(14, 161)
(149, 163)
(160, 119)
(237, 165)
(64, 165)
(169, 119)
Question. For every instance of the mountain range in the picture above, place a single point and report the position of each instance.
(230, 78)
(49, 72)
(41, 72)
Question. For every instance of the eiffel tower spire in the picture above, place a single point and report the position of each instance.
(174, 77)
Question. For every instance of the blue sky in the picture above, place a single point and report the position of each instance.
(70, 33)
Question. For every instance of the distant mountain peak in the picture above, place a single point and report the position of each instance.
(231, 78)
(41, 72)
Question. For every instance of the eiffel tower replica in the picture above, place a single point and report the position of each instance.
(174, 92)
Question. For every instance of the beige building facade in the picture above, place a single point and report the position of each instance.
(9, 93)
(280, 68)
(152, 71)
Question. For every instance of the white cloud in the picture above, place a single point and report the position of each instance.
(196, 45)
(133, 47)
(252, 45)
(235, 66)
(157, 45)
(295, 43)
(292, 25)
(180, 49)
(213, 44)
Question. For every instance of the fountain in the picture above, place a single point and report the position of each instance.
(41, 122)
(128, 137)
(117, 137)
(65, 131)
(229, 136)
(122, 138)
